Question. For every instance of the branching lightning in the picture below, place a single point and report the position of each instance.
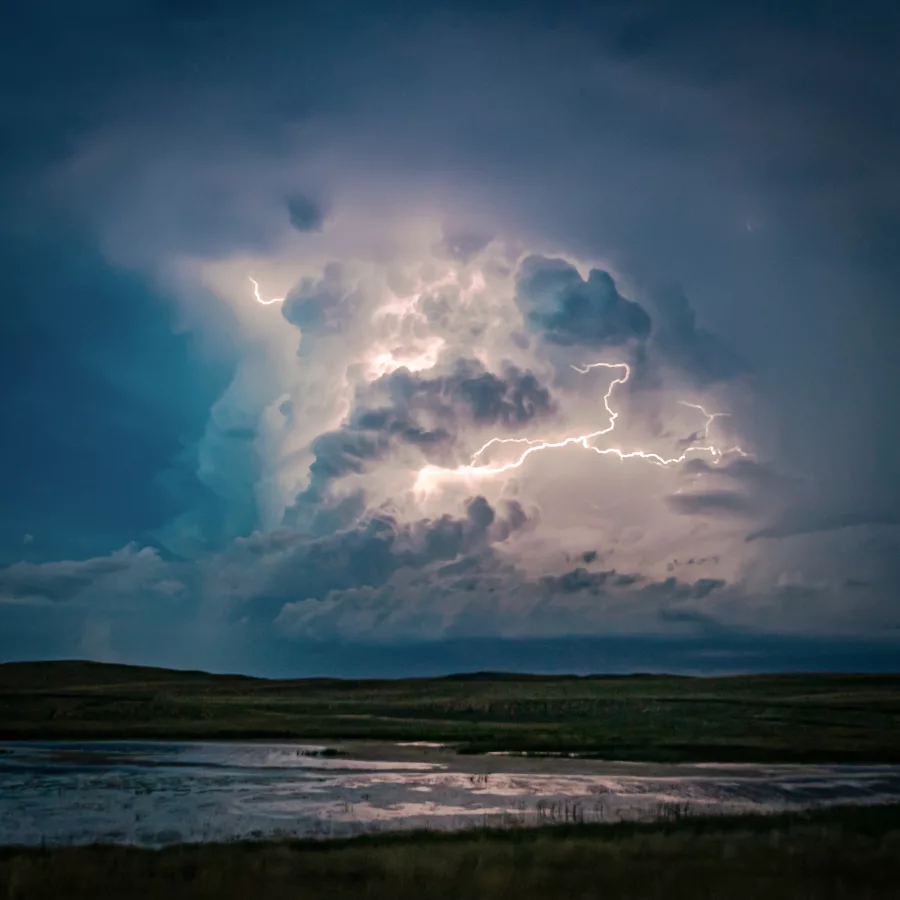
(474, 470)
(260, 299)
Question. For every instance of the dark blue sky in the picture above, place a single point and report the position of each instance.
(189, 478)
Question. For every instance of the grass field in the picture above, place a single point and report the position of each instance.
(838, 854)
(833, 718)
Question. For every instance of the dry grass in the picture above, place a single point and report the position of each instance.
(851, 854)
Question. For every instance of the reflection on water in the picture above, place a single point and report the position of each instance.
(157, 793)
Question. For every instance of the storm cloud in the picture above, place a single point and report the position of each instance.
(130, 570)
(304, 213)
(274, 569)
(683, 343)
(534, 278)
(431, 414)
(710, 503)
(569, 310)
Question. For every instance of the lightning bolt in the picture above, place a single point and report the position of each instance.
(260, 299)
(474, 470)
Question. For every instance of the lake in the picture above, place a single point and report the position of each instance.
(157, 793)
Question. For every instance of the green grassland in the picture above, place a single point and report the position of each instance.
(837, 854)
(834, 718)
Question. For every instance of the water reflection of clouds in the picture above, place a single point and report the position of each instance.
(156, 794)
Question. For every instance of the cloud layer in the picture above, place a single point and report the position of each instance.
(578, 321)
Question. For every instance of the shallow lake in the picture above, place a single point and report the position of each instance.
(154, 793)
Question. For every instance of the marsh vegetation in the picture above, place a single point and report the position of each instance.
(839, 854)
(778, 718)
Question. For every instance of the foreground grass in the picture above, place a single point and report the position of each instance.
(844, 853)
(824, 718)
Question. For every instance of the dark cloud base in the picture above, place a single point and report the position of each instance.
(584, 656)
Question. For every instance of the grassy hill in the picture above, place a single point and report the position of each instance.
(815, 717)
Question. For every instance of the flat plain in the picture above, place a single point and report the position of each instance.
(770, 718)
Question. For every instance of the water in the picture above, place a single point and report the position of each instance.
(155, 793)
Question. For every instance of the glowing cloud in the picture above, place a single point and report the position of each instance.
(429, 475)
(259, 299)
(414, 359)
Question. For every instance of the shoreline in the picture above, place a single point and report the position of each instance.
(459, 750)
(842, 853)
(451, 755)
(878, 812)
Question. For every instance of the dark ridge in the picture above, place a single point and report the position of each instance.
(50, 674)
(53, 673)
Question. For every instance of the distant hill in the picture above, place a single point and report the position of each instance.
(73, 673)
(662, 718)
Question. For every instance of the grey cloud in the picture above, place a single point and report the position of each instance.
(693, 561)
(463, 244)
(219, 473)
(347, 450)
(66, 579)
(673, 589)
(321, 306)
(483, 573)
(427, 412)
(568, 310)
(508, 400)
(516, 518)
(329, 514)
(684, 343)
(806, 522)
(55, 581)
(710, 503)
(464, 566)
(304, 213)
(703, 587)
(763, 487)
(369, 553)
(477, 594)
(581, 579)
(745, 470)
(655, 160)
(625, 580)
(703, 621)
(799, 590)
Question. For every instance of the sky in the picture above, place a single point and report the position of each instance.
(398, 339)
